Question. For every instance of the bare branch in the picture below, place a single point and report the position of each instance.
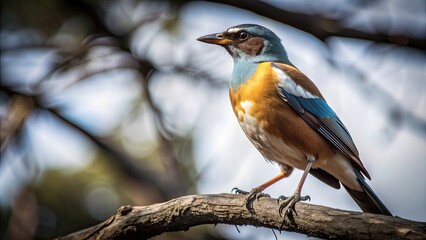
(182, 213)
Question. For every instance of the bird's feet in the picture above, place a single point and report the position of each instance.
(255, 193)
(289, 203)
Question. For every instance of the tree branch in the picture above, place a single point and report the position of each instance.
(188, 211)
(321, 26)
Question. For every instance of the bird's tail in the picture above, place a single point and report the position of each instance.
(367, 200)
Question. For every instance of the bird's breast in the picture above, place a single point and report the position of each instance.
(256, 104)
(276, 130)
(272, 147)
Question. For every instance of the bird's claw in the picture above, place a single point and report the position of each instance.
(289, 203)
(261, 194)
(239, 191)
(255, 193)
(281, 198)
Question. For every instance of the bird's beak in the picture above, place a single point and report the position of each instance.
(215, 38)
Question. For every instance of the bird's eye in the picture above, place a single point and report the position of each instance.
(243, 36)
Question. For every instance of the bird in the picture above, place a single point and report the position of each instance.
(288, 120)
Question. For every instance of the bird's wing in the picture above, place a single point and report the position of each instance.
(303, 96)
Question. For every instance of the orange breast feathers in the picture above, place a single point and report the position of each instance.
(258, 91)
(261, 88)
(259, 98)
(261, 92)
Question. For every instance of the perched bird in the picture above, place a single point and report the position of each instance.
(287, 119)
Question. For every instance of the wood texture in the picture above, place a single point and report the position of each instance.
(180, 214)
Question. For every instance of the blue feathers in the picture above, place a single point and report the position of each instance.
(324, 119)
(317, 107)
(243, 70)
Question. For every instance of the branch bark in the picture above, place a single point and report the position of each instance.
(182, 213)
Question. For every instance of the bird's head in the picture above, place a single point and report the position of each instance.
(250, 42)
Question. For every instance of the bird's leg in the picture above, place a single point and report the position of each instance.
(291, 201)
(256, 192)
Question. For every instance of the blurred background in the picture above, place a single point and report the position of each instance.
(105, 103)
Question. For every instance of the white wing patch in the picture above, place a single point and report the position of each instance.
(288, 84)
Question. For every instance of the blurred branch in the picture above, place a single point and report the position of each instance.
(23, 222)
(19, 109)
(132, 170)
(177, 185)
(182, 213)
(173, 168)
(321, 26)
(129, 166)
